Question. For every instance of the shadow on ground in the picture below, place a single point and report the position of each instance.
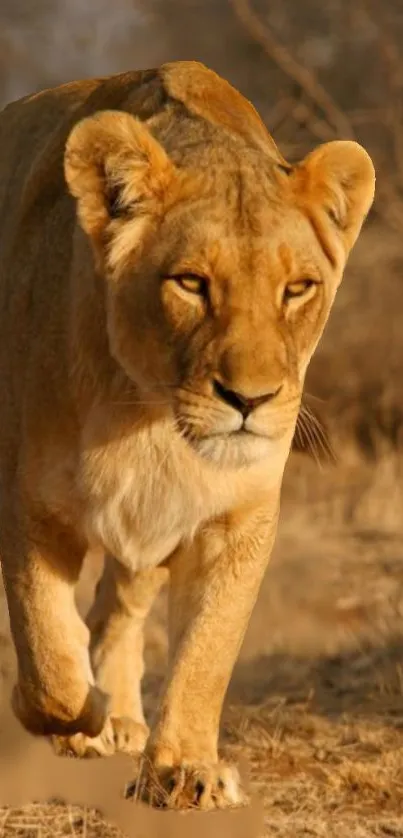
(361, 683)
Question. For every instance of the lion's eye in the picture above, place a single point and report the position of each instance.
(192, 284)
(298, 289)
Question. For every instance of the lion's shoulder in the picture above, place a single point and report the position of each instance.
(211, 97)
(30, 123)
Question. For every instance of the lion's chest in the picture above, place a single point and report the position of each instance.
(144, 498)
(141, 525)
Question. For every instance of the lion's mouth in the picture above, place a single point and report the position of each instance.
(239, 434)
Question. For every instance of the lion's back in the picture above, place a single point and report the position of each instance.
(37, 219)
(32, 208)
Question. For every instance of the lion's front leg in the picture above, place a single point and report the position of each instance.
(55, 692)
(116, 622)
(214, 586)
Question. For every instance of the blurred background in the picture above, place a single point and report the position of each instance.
(316, 71)
(326, 636)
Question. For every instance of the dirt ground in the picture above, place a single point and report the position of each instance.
(315, 706)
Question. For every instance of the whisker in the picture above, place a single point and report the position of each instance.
(315, 445)
(322, 436)
(311, 397)
(312, 441)
(299, 434)
(306, 434)
(132, 402)
(310, 430)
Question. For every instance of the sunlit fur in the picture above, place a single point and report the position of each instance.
(118, 427)
(250, 233)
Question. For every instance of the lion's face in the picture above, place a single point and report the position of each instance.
(220, 282)
(237, 305)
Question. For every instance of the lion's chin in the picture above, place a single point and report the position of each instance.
(233, 451)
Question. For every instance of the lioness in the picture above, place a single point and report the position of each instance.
(165, 276)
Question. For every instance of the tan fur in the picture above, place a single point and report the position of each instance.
(113, 432)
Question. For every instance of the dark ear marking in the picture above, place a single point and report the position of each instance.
(333, 216)
(116, 209)
(285, 168)
(113, 201)
(113, 163)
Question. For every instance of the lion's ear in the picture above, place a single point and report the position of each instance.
(112, 163)
(340, 177)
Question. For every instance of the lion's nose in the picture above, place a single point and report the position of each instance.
(244, 404)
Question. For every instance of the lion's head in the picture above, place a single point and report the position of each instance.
(220, 260)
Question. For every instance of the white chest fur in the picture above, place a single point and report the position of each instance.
(148, 491)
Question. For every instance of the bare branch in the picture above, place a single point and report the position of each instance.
(303, 77)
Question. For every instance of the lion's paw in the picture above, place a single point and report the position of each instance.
(189, 786)
(119, 735)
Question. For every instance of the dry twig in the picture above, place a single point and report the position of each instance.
(303, 77)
